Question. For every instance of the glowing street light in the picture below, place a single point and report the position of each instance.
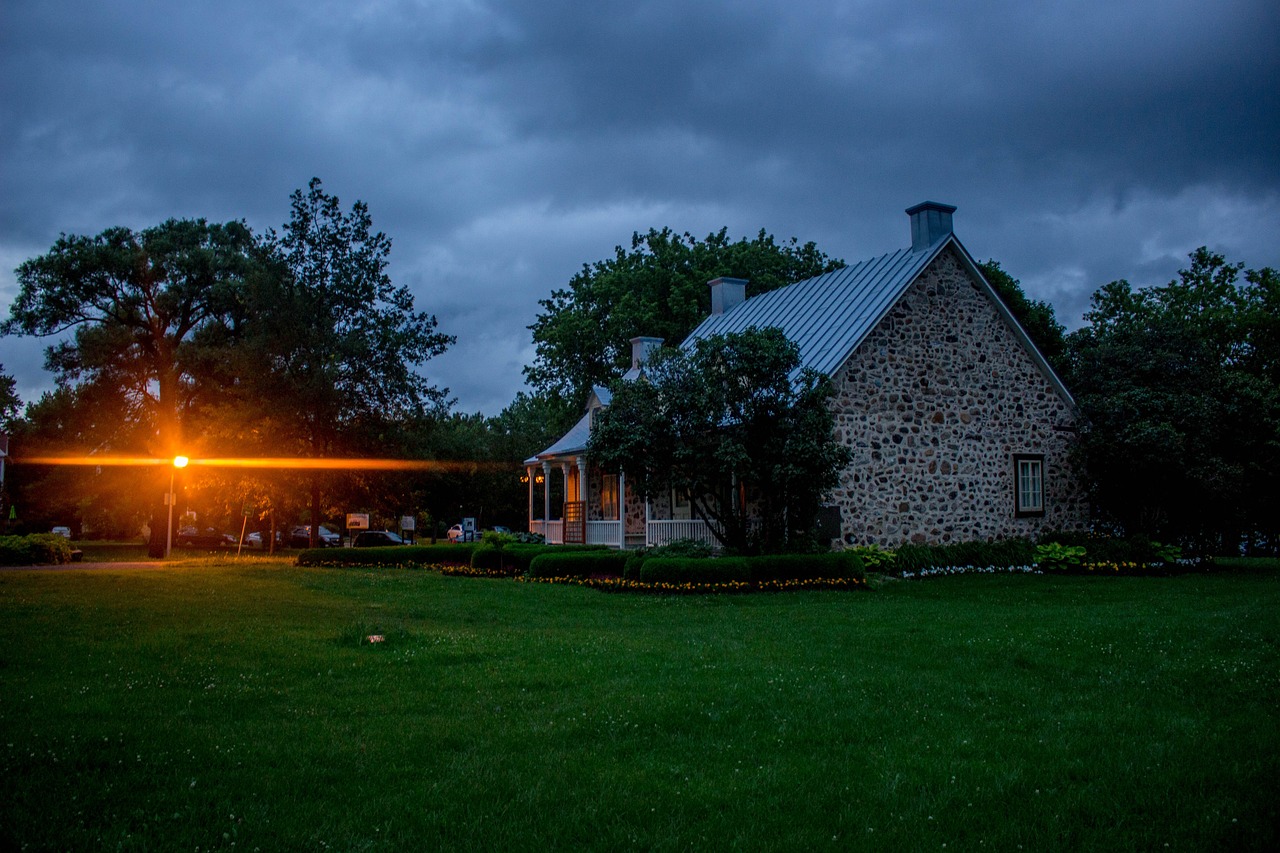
(178, 462)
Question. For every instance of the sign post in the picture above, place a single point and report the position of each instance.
(356, 521)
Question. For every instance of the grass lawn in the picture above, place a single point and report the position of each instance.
(222, 705)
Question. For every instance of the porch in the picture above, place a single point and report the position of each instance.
(656, 531)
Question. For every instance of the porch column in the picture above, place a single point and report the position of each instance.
(583, 491)
(622, 507)
(564, 472)
(546, 493)
(528, 472)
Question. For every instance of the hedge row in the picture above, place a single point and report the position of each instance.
(577, 564)
(391, 555)
(767, 568)
(1003, 553)
(1012, 553)
(35, 549)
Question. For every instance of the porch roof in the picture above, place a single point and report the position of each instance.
(572, 442)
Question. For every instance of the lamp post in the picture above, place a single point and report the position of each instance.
(178, 462)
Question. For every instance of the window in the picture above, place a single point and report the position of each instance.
(681, 506)
(609, 497)
(1028, 485)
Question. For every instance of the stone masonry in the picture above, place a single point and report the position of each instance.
(933, 406)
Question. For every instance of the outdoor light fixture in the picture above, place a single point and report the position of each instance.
(178, 462)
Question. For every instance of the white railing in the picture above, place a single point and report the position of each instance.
(552, 531)
(662, 532)
(604, 533)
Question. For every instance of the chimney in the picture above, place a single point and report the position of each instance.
(930, 222)
(727, 294)
(641, 349)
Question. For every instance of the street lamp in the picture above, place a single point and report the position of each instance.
(178, 462)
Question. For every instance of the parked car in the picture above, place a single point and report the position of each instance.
(192, 537)
(376, 539)
(258, 539)
(458, 534)
(300, 537)
(64, 532)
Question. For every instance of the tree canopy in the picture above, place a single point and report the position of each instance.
(657, 288)
(1180, 389)
(140, 305)
(736, 425)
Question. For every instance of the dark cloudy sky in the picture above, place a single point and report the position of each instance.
(503, 144)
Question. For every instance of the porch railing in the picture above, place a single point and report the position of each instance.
(552, 531)
(604, 533)
(662, 532)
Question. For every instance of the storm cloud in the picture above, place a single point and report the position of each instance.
(503, 144)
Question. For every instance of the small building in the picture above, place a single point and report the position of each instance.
(959, 429)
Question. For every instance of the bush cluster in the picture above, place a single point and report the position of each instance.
(35, 549)
(764, 569)
(577, 564)
(1003, 553)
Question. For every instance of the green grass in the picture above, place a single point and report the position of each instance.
(211, 705)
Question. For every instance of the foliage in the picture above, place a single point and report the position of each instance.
(873, 557)
(735, 424)
(557, 564)
(657, 288)
(1036, 318)
(1180, 390)
(1052, 557)
(34, 549)
(10, 402)
(145, 308)
(1002, 553)
(759, 570)
(678, 570)
(330, 345)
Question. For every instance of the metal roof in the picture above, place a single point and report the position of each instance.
(829, 315)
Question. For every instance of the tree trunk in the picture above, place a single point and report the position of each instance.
(314, 538)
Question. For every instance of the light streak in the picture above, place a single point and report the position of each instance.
(274, 462)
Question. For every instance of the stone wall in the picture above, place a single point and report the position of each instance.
(933, 405)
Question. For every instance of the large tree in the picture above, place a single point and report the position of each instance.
(143, 308)
(140, 306)
(735, 424)
(1180, 388)
(331, 344)
(657, 288)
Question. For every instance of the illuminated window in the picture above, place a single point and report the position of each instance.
(1028, 485)
(609, 497)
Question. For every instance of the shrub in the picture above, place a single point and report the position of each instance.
(35, 549)
(789, 567)
(558, 563)
(1052, 557)
(1003, 553)
(693, 548)
(679, 570)
(394, 555)
(874, 558)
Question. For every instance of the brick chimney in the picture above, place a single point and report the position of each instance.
(930, 222)
(727, 294)
(641, 349)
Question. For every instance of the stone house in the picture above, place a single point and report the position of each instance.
(958, 428)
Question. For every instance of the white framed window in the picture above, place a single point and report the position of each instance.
(1028, 485)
